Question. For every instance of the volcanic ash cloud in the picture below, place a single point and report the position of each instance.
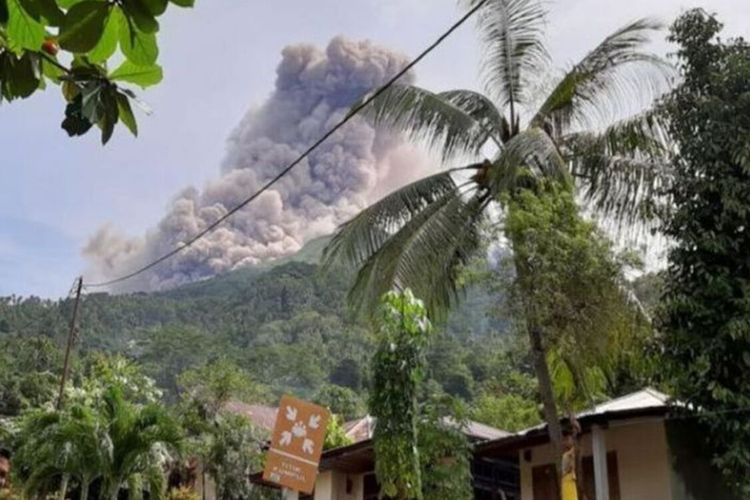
(313, 90)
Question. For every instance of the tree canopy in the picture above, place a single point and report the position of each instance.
(705, 312)
(70, 44)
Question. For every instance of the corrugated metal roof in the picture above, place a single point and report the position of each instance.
(645, 398)
(639, 400)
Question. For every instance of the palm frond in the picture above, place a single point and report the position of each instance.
(428, 118)
(621, 189)
(513, 34)
(482, 109)
(531, 152)
(624, 170)
(608, 80)
(425, 255)
(643, 134)
(357, 240)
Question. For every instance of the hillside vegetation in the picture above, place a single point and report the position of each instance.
(287, 325)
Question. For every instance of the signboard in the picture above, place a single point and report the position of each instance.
(296, 445)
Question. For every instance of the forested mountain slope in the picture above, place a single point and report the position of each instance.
(287, 325)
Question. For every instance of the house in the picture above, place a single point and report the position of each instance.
(347, 473)
(633, 448)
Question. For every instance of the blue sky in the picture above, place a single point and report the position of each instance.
(219, 60)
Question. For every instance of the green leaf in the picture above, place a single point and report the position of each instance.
(51, 71)
(23, 31)
(183, 3)
(109, 113)
(51, 11)
(91, 102)
(139, 48)
(83, 26)
(66, 4)
(126, 113)
(144, 76)
(75, 123)
(70, 90)
(21, 76)
(3, 11)
(42, 10)
(108, 42)
(156, 7)
(140, 15)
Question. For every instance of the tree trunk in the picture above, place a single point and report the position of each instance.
(539, 357)
(63, 486)
(85, 483)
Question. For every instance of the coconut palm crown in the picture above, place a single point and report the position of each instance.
(589, 127)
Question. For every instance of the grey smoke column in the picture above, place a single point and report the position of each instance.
(314, 89)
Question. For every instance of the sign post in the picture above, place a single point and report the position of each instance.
(297, 443)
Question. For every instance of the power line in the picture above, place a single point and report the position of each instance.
(352, 113)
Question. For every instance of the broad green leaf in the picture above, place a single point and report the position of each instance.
(156, 7)
(183, 3)
(109, 113)
(144, 76)
(51, 11)
(108, 42)
(42, 10)
(140, 15)
(91, 102)
(66, 4)
(70, 90)
(22, 30)
(126, 113)
(51, 71)
(138, 47)
(3, 11)
(83, 26)
(21, 76)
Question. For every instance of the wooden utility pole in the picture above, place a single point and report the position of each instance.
(71, 339)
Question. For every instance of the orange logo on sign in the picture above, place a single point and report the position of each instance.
(296, 445)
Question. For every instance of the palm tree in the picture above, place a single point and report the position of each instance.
(58, 447)
(141, 438)
(420, 235)
(121, 443)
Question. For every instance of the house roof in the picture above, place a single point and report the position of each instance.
(646, 398)
(361, 429)
(647, 402)
(479, 431)
(262, 416)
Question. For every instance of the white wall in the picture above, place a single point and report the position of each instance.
(642, 456)
(331, 485)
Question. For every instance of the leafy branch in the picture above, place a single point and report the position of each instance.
(70, 43)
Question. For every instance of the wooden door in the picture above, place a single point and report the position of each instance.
(544, 478)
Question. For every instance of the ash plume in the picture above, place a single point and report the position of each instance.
(314, 89)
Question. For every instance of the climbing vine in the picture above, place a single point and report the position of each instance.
(398, 369)
(421, 450)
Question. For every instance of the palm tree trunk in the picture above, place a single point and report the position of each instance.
(85, 483)
(63, 486)
(113, 489)
(541, 368)
(551, 416)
